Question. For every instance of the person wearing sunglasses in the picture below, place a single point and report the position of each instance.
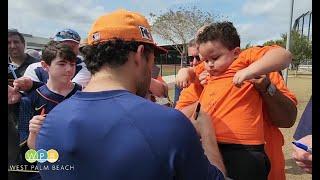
(193, 53)
(193, 59)
(35, 76)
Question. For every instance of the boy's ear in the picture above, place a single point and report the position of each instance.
(44, 65)
(236, 52)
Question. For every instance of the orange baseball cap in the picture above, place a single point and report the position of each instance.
(125, 25)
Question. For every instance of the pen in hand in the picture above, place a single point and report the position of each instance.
(303, 146)
(197, 111)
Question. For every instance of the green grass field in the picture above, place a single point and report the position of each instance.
(169, 69)
(301, 86)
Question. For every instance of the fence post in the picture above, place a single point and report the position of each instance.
(285, 71)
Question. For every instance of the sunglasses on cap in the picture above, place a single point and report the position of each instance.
(191, 58)
(67, 34)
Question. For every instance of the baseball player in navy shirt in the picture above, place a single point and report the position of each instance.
(109, 131)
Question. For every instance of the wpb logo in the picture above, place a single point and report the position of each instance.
(41, 156)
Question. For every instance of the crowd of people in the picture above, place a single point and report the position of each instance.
(101, 104)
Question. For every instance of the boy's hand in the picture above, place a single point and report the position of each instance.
(203, 77)
(36, 123)
(13, 95)
(303, 159)
(22, 84)
(242, 75)
(158, 88)
(183, 78)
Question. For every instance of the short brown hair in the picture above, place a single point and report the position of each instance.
(112, 53)
(57, 49)
(224, 32)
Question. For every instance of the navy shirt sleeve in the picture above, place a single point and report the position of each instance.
(25, 115)
(191, 161)
(305, 125)
(180, 142)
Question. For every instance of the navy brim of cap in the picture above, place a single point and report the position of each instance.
(62, 40)
(159, 50)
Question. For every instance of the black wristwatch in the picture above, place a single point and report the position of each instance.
(271, 89)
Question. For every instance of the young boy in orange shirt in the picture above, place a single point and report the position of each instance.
(235, 110)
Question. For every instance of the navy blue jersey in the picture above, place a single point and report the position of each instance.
(117, 135)
(36, 101)
(41, 99)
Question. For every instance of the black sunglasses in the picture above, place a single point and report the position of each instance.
(190, 58)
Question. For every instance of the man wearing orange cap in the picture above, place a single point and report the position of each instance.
(109, 131)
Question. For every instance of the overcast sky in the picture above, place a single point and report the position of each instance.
(256, 20)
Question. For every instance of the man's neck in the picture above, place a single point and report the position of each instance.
(104, 81)
(19, 60)
(60, 88)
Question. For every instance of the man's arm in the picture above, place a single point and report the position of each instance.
(281, 109)
(205, 128)
(189, 109)
(273, 60)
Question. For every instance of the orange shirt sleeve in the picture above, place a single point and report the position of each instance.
(189, 95)
(192, 93)
(199, 69)
(251, 55)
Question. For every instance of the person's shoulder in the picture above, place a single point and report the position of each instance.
(79, 60)
(35, 65)
(253, 53)
(159, 116)
(198, 69)
(34, 93)
(31, 59)
(31, 97)
(261, 49)
(77, 87)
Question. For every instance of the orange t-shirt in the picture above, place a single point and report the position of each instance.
(236, 112)
(226, 103)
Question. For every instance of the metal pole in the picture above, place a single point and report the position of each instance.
(302, 26)
(309, 26)
(175, 66)
(161, 65)
(285, 71)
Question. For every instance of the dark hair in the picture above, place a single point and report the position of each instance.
(192, 43)
(57, 49)
(16, 33)
(113, 53)
(224, 32)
